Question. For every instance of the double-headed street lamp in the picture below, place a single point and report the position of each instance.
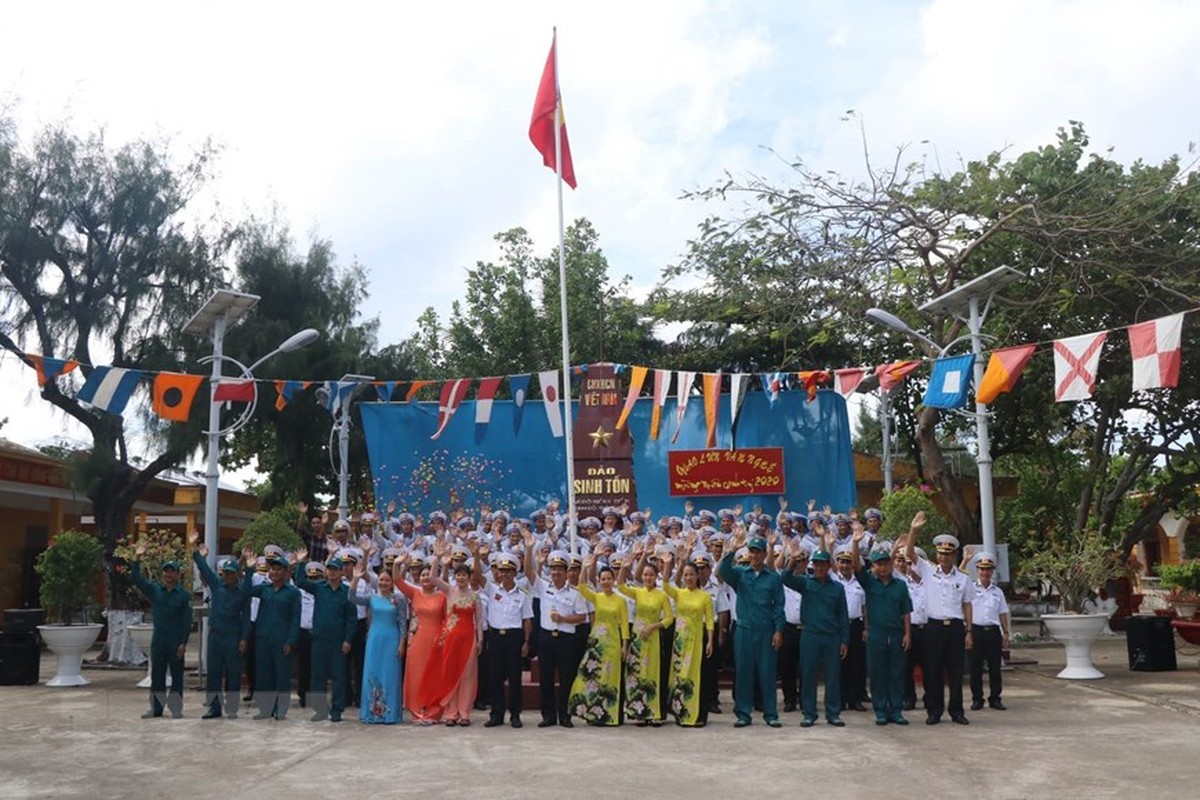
(954, 303)
(221, 311)
(341, 426)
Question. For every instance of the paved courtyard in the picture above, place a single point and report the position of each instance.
(1133, 734)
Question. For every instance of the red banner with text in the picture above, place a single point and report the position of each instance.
(751, 470)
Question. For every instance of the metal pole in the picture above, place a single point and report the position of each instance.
(562, 291)
(212, 538)
(983, 453)
(344, 466)
(885, 422)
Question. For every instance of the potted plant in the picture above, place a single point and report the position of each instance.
(158, 546)
(1184, 580)
(70, 570)
(1075, 567)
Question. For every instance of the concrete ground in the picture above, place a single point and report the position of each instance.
(1133, 734)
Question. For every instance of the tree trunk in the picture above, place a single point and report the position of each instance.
(966, 524)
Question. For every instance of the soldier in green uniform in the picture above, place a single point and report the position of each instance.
(826, 636)
(335, 620)
(228, 628)
(172, 608)
(276, 633)
(759, 631)
(887, 633)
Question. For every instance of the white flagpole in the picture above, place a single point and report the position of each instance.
(562, 290)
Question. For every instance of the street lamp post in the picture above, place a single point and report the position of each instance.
(953, 303)
(342, 427)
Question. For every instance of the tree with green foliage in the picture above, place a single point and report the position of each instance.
(98, 265)
(804, 260)
(508, 322)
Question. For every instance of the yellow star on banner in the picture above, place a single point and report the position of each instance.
(600, 437)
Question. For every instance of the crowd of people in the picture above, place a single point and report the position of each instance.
(627, 621)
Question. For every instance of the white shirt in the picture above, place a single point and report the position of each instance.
(720, 595)
(506, 609)
(566, 601)
(855, 595)
(945, 593)
(257, 579)
(791, 605)
(307, 603)
(987, 605)
(916, 593)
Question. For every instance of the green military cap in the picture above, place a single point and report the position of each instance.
(880, 555)
(335, 563)
(821, 555)
(171, 564)
(277, 560)
(756, 543)
(229, 565)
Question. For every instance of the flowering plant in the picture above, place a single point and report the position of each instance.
(159, 546)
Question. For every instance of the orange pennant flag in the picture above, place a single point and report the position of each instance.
(711, 383)
(416, 387)
(811, 379)
(1003, 369)
(637, 377)
(174, 393)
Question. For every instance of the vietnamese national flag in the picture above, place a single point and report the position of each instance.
(547, 108)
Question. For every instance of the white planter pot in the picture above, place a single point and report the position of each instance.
(1077, 632)
(142, 633)
(69, 643)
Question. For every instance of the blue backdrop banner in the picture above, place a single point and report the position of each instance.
(523, 471)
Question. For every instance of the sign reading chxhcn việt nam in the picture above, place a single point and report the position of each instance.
(753, 470)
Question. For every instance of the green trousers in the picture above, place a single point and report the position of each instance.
(328, 667)
(885, 666)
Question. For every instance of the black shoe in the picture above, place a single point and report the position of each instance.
(909, 705)
(493, 723)
(959, 719)
(898, 720)
(516, 722)
(933, 719)
(976, 705)
(789, 707)
(715, 708)
(996, 704)
(152, 715)
(547, 723)
(212, 713)
(836, 722)
(335, 717)
(246, 698)
(741, 723)
(808, 722)
(774, 723)
(881, 722)
(566, 723)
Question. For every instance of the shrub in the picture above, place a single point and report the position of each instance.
(70, 570)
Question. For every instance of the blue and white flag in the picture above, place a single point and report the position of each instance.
(773, 383)
(338, 394)
(950, 381)
(519, 386)
(109, 388)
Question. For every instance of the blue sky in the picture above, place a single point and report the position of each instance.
(398, 131)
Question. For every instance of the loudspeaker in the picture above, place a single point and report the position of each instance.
(20, 660)
(1151, 644)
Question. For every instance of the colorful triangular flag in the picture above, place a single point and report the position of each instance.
(637, 377)
(893, 374)
(812, 378)
(773, 383)
(739, 382)
(683, 390)
(338, 394)
(453, 393)
(286, 390)
(50, 368)
(109, 388)
(519, 386)
(950, 381)
(415, 388)
(173, 394)
(386, 389)
(1155, 346)
(1003, 369)
(711, 385)
(662, 386)
(846, 381)
(552, 401)
(484, 397)
(1075, 361)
